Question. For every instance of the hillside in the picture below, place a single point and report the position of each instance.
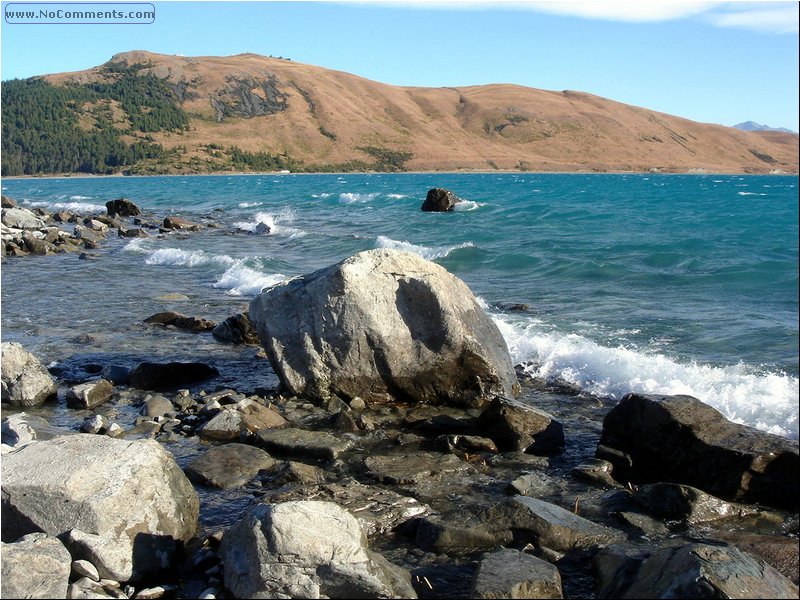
(250, 112)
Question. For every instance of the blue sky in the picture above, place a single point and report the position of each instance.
(715, 62)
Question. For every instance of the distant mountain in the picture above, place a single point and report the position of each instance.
(153, 113)
(753, 126)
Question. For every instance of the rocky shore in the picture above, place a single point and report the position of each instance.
(402, 456)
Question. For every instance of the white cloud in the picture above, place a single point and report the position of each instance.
(765, 17)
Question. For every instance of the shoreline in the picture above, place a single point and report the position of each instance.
(461, 172)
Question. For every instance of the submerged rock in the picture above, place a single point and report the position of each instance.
(181, 321)
(153, 376)
(237, 329)
(231, 465)
(680, 439)
(125, 505)
(383, 324)
(440, 200)
(306, 549)
(25, 381)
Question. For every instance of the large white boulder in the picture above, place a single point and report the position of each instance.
(383, 324)
(306, 549)
(124, 505)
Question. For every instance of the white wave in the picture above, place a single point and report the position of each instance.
(396, 196)
(138, 245)
(77, 207)
(241, 280)
(466, 205)
(187, 258)
(356, 198)
(250, 204)
(77, 197)
(767, 401)
(272, 221)
(750, 194)
(322, 195)
(431, 253)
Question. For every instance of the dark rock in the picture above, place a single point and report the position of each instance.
(687, 571)
(122, 207)
(440, 200)
(596, 471)
(153, 376)
(116, 374)
(236, 329)
(508, 573)
(228, 466)
(262, 229)
(513, 306)
(383, 325)
(8, 202)
(90, 394)
(180, 321)
(180, 224)
(783, 553)
(517, 426)
(461, 533)
(413, 467)
(302, 443)
(679, 439)
(676, 502)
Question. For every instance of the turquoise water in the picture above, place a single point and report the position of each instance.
(653, 283)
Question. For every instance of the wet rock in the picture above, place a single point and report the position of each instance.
(306, 549)
(509, 573)
(90, 394)
(378, 510)
(672, 501)
(536, 484)
(783, 553)
(8, 202)
(132, 232)
(517, 426)
(180, 224)
(35, 566)
(687, 571)
(296, 472)
(440, 200)
(596, 471)
(153, 376)
(414, 467)
(122, 207)
(157, 406)
(651, 438)
(231, 465)
(94, 424)
(237, 329)
(22, 428)
(468, 444)
(126, 504)
(461, 533)
(558, 528)
(644, 524)
(25, 381)
(383, 324)
(246, 417)
(180, 321)
(302, 443)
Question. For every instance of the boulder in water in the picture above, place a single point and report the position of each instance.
(379, 325)
(440, 200)
(122, 207)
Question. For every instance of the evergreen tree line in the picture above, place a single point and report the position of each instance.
(41, 131)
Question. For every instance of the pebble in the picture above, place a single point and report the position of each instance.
(150, 593)
(209, 594)
(114, 430)
(94, 424)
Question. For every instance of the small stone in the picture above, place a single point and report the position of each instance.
(114, 430)
(357, 404)
(94, 424)
(83, 568)
(209, 594)
(150, 593)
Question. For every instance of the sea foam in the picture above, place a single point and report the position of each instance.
(274, 222)
(77, 207)
(767, 401)
(356, 198)
(429, 252)
(241, 280)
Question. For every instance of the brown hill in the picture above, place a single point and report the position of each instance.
(326, 117)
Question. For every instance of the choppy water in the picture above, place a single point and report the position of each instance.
(653, 283)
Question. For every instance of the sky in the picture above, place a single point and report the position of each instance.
(712, 62)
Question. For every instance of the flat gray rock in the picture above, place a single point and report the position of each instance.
(302, 443)
(414, 467)
(509, 573)
(231, 465)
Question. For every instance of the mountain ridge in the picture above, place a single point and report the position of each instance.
(306, 117)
